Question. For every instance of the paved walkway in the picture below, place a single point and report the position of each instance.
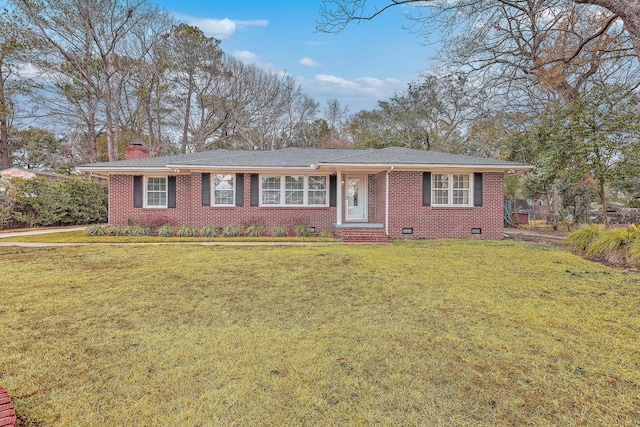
(40, 231)
(528, 235)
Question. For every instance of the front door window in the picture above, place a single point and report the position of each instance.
(356, 198)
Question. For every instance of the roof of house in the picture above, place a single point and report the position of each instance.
(304, 158)
(30, 173)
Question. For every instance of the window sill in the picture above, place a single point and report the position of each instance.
(293, 206)
(454, 207)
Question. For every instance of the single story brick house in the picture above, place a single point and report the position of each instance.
(359, 194)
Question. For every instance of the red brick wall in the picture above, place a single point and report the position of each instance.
(321, 218)
(189, 209)
(405, 209)
(121, 210)
(134, 152)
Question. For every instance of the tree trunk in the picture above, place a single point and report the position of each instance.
(605, 219)
(187, 113)
(4, 128)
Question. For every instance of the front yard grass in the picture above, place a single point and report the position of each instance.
(81, 237)
(415, 333)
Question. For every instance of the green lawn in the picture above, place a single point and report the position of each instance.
(429, 333)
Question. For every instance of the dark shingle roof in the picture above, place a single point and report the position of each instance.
(305, 157)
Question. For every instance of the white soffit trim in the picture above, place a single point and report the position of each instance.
(241, 169)
(425, 167)
(124, 170)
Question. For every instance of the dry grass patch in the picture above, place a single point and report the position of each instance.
(429, 333)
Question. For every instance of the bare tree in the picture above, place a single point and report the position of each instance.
(86, 42)
(11, 45)
(336, 117)
(195, 62)
(628, 11)
(68, 56)
(548, 48)
(432, 114)
(335, 15)
(247, 107)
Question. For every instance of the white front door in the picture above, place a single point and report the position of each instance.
(356, 198)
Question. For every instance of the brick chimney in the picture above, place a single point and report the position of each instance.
(136, 151)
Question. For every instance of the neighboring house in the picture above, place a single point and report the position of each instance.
(359, 194)
(29, 173)
(16, 172)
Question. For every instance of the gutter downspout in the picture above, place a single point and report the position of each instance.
(339, 198)
(386, 206)
(109, 201)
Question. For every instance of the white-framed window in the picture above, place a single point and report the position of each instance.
(223, 190)
(271, 190)
(294, 190)
(156, 192)
(317, 194)
(452, 189)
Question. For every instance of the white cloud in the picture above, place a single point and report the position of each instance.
(252, 23)
(246, 56)
(370, 81)
(361, 85)
(308, 62)
(220, 28)
(359, 93)
(249, 57)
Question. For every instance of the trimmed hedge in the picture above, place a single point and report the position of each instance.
(42, 202)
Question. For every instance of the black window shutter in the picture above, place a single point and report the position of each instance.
(426, 188)
(477, 189)
(171, 187)
(137, 191)
(239, 189)
(206, 189)
(333, 190)
(255, 190)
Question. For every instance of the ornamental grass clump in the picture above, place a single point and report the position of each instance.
(125, 230)
(581, 239)
(232, 230)
(111, 230)
(612, 240)
(95, 230)
(254, 230)
(279, 231)
(619, 246)
(137, 230)
(165, 230)
(209, 231)
(187, 231)
(327, 234)
(633, 253)
(302, 231)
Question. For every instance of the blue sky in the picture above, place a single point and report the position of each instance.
(361, 65)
